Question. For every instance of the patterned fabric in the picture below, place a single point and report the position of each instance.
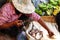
(7, 13)
(34, 16)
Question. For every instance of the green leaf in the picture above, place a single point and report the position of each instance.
(49, 6)
(49, 12)
(59, 2)
(38, 11)
(43, 6)
(51, 1)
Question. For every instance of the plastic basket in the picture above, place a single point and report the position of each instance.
(49, 18)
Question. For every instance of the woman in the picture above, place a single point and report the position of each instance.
(14, 17)
(9, 22)
(25, 7)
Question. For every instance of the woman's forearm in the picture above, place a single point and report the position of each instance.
(17, 23)
(8, 25)
(43, 24)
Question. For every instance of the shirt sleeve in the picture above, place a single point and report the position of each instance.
(34, 16)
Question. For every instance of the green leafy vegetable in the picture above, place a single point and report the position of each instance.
(39, 12)
(47, 7)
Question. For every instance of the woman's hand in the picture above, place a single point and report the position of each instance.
(18, 23)
(50, 33)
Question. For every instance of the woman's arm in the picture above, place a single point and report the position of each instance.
(45, 26)
(8, 15)
(10, 24)
(36, 17)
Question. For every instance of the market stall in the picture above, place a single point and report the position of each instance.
(29, 19)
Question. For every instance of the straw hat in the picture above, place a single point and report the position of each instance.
(24, 6)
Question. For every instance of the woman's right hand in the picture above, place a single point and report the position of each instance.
(50, 33)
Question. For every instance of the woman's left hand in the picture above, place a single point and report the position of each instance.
(19, 23)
